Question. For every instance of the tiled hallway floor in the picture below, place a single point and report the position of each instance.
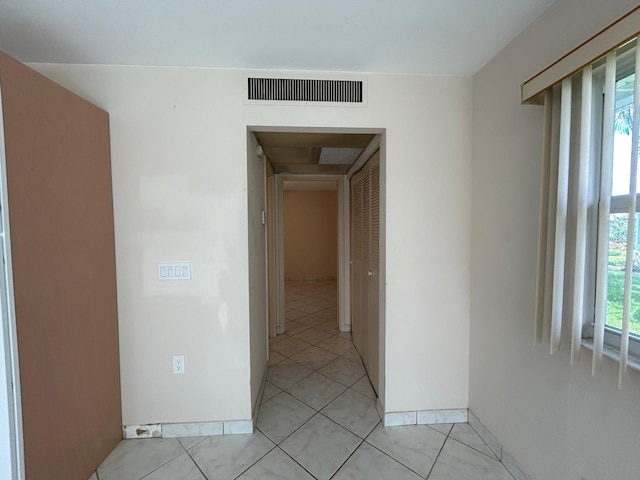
(317, 420)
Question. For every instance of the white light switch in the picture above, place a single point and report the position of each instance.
(174, 271)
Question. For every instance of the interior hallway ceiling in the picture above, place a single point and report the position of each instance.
(452, 37)
(313, 153)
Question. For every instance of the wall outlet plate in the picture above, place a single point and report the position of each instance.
(178, 364)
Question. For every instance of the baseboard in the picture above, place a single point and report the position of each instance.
(424, 417)
(150, 430)
(459, 415)
(193, 429)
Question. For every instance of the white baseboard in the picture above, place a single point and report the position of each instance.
(459, 415)
(150, 430)
(202, 429)
(193, 429)
(424, 417)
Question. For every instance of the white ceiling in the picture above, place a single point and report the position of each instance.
(450, 37)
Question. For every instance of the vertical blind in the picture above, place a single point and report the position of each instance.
(575, 207)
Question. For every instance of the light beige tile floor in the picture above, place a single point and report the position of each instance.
(317, 420)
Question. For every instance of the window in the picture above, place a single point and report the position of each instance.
(619, 218)
(589, 257)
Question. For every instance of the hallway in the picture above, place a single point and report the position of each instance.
(317, 420)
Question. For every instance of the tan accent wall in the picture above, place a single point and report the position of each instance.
(62, 239)
(310, 234)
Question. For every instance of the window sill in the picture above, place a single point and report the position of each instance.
(613, 354)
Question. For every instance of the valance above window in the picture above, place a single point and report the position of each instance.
(585, 54)
(588, 287)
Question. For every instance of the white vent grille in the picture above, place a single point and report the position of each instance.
(305, 90)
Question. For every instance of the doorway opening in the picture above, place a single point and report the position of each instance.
(309, 176)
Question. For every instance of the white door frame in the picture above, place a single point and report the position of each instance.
(11, 438)
(344, 287)
(279, 241)
(344, 268)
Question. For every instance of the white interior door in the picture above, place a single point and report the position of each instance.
(373, 272)
(365, 259)
(358, 326)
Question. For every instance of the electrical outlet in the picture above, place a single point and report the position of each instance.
(178, 364)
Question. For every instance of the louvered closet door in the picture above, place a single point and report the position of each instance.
(358, 326)
(365, 259)
(373, 272)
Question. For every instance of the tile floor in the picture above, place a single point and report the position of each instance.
(317, 420)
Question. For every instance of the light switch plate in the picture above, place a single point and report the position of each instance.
(174, 271)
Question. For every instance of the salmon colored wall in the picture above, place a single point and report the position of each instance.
(62, 240)
(310, 234)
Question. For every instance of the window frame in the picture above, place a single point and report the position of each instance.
(625, 66)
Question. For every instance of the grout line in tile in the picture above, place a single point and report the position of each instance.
(197, 443)
(437, 457)
(196, 463)
(430, 426)
(473, 448)
(270, 450)
(393, 458)
(302, 466)
(347, 459)
(302, 425)
(346, 428)
(165, 463)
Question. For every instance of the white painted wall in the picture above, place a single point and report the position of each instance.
(180, 178)
(256, 196)
(558, 421)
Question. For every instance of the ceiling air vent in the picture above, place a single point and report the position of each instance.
(305, 91)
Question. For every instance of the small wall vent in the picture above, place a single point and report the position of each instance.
(305, 91)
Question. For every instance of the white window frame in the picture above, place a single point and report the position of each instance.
(619, 205)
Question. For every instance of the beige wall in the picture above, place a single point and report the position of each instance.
(257, 236)
(310, 234)
(62, 241)
(179, 150)
(558, 421)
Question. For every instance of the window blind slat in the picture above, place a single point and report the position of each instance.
(541, 291)
(604, 211)
(561, 215)
(582, 206)
(631, 230)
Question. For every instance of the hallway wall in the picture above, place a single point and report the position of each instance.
(558, 421)
(180, 187)
(310, 234)
(257, 237)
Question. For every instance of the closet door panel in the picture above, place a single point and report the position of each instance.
(373, 273)
(365, 228)
(358, 325)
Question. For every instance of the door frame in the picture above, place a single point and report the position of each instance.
(344, 287)
(344, 267)
(11, 436)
